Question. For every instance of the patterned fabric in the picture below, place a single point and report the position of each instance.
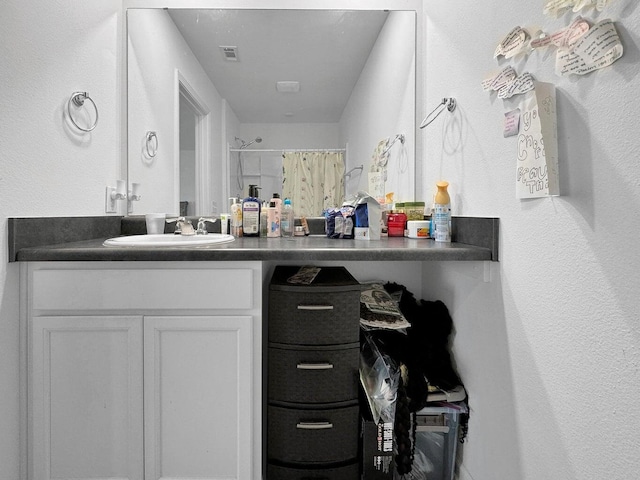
(314, 181)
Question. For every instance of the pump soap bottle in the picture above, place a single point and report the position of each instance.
(442, 213)
(251, 213)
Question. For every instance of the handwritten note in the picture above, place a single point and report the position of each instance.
(598, 48)
(537, 164)
(511, 123)
(507, 83)
(512, 44)
(565, 38)
(522, 84)
(556, 7)
(499, 80)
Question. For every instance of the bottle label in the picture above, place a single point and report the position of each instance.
(251, 217)
(442, 222)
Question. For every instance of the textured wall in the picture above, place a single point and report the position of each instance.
(48, 51)
(549, 348)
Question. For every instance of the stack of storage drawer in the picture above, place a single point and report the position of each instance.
(312, 413)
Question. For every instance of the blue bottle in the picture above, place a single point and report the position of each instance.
(251, 213)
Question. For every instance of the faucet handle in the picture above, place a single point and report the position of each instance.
(202, 226)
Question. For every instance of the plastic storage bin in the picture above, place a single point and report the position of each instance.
(436, 442)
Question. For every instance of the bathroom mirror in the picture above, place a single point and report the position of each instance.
(216, 84)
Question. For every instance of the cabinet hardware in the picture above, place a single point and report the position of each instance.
(315, 366)
(314, 425)
(315, 307)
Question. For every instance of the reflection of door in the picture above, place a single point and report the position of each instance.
(188, 119)
(192, 151)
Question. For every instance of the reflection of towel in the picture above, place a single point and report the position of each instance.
(380, 156)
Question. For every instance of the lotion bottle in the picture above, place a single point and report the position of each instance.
(442, 213)
(273, 220)
(251, 213)
(236, 216)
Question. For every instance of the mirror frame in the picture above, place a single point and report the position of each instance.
(391, 5)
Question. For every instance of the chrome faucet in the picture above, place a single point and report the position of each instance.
(183, 226)
(202, 225)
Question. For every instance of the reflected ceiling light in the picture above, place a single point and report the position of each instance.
(288, 86)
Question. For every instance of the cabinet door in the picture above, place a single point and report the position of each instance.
(86, 398)
(198, 397)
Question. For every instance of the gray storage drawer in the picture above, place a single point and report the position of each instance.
(346, 472)
(313, 374)
(314, 318)
(313, 436)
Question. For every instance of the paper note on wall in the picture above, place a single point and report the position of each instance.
(537, 169)
(376, 185)
(598, 48)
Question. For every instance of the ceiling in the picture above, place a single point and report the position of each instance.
(323, 50)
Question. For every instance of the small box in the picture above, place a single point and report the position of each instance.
(377, 450)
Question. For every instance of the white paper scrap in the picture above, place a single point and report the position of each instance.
(555, 7)
(496, 82)
(512, 44)
(511, 123)
(565, 38)
(599, 48)
(522, 84)
(537, 164)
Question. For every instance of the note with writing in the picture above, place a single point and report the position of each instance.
(511, 123)
(598, 48)
(537, 163)
(556, 7)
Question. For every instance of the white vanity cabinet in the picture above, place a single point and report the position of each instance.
(143, 370)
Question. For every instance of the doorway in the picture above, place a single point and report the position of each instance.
(193, 152)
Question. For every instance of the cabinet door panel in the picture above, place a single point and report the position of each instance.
(198, 397)
(87, 377)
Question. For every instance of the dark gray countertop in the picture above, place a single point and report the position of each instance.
(301, 248)
(39, 239)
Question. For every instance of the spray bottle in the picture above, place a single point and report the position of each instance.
(441, 218)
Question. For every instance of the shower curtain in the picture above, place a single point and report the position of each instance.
(314, 181)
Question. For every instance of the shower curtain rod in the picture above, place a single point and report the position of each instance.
(287, 150)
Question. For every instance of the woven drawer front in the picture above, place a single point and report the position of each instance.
(312, 436)
(348, 472)
(313, 375)
(314, 318)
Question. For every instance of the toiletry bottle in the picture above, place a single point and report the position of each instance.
(276, 198)
(442, 213)
(264, 222)
(236, 216)
(287, 219)
(251, 213)
(273, 220)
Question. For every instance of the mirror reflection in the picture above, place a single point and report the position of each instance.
(299, 102)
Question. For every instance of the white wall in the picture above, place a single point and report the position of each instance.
(156, 51)
(48, 51)
(549, 348)
(382, 105)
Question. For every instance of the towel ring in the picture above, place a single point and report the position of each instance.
(78, 99)
(448, 103)
(151, 144)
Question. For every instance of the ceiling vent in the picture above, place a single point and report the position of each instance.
(288, 87)
(230, 54)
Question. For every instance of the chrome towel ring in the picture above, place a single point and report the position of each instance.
(78, 99)
(448, 103)
(151, 144)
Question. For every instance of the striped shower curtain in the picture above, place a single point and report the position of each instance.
(314, 181)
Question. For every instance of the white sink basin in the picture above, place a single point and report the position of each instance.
(168, 240)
